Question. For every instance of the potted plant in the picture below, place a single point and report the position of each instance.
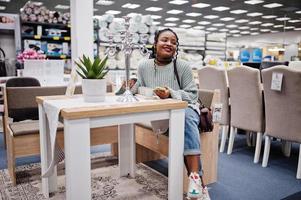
(93, 73)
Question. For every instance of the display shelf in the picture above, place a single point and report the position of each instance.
(58, 57)
(48, 38)
(67, 26)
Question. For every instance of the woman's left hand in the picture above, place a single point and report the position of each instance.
(163, 94)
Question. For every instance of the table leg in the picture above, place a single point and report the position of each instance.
(49, 184)
(126, 149)
(175, 154)
(77, 159)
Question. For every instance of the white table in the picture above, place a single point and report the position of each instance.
(77, 124)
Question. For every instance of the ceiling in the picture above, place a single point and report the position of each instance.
(248, 24)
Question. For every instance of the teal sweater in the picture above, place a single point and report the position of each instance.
(153, 76)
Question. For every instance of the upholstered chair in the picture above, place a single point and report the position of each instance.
(212, 78)
(246, 100)
(282, 109)
(295, 65)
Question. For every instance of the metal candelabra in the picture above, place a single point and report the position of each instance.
(127, 47)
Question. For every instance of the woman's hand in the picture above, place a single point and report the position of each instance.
(131, 83)
(162, 92)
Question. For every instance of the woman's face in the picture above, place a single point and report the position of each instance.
(166, 45)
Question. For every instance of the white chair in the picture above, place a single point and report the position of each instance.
(295, 65)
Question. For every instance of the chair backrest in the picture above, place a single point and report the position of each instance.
(211, 78)
(22, 82)
(295, 65)
(268, 64)
(21, 101)
(283, 108)
(246, 99)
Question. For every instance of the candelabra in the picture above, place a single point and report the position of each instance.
(127, 46)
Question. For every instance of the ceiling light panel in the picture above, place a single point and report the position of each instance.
(298, 12)
(210, 16)
(170, 24)
(178, 2)
(185, 26)
(175, 12)
(254, 29)
(245, 32)
(218, 24)
(255, 22)
(131, 6)
(200, 5)
(224, 30)
(4, 0)
(153, 9)
(198, 27)
(221, 8)
(204, 23)
(297, 29)
(237, 12)
(113, 12)
(272, 5)
(63, 7)
(289, 27)
(283, 18)
(193, 14)
(236, 35)
(274, 31)
(294, 21)
(253, 2)
(104, 2)
(156, 23)
(234, 31)
(267, 24)
(231, 26)
(189, 21)
(226, 19)
(265, 30)
(211, 29)
(269, 16)
(254, 33)
(2, 7)
(243, 27)
(254, 14)
(278, 26)
(172, 19)
(156, 16)
(240, 21)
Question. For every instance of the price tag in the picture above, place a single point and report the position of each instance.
(217, 112)
(276, 81)
(37, 37)
(67, 38)
(63, 56)
(55, 38)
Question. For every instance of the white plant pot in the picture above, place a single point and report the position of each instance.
(94, 90)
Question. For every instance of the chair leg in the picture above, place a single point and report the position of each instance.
(258, 147)
(231, 140)
(224, 138)
(11, 159)
(267, 145)
(286, 148)
(299, 164)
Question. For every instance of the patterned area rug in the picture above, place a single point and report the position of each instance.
(106, 184)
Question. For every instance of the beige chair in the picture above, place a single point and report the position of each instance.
(295, 65)
(282, 109)
(246, 101)
(151, 147)
(212, 78)
(23, 136)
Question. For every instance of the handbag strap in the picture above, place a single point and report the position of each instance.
(176, 73)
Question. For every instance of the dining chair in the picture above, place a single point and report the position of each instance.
(246, 100)
(212, 78)
(282, 109)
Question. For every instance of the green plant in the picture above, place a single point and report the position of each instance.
(92, 70)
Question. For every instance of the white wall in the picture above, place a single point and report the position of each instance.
(290, 50)
(7, 43)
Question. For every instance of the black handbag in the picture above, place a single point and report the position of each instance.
(2, 63)
(206, 122)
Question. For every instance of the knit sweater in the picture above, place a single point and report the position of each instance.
(150, 75)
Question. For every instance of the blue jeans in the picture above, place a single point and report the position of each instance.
(192, 141)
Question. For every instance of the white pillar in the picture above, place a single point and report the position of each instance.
(81, 28)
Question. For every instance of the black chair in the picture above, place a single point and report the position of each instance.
(268, 64)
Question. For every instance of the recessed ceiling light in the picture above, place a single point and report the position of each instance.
(153, 9)
(210, 16)
(294, 21)
(156, 23)
(37, 3)
(94, 9)
(231, 26)
(227, 19)
(298, 12)
(2, 7)
(113, 12)
(274, 31)
(156, 17)
(170, 24)
(193, 14)
(283, 18)
(198, 27)
(63, 7)
(224, 30)
(243, 27)
(254, 29)
(172, 19)
(220, 8)
(5, 0)
(254, 14)
(131, 6)
(254, 33)
(236, 35)
(174, 12)
(272, 5)
(241, 21)
(265, 30)
(278, 26)
(185, 26)
(238, 11)
(188, 21)
(211, 29)
(178, 2)
(234, 31)
(255, 22)
(297, 29)
(269, 16)
(289, 27)
(267, 24)
(204, 23)
(245, 32)
(200, 5)
(218, 24)
(253, 2)
(104, 2)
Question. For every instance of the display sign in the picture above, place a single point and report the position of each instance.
(251, 55)
(244, 55)
(257, 55)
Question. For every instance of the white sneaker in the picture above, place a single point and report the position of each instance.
(205, 194)
(195, 189)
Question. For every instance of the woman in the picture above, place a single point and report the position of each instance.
(172, 78)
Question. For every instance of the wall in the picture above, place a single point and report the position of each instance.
(7, 43)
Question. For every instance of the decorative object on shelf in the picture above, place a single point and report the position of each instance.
(127, 47)
(93, 72)
(30, 54)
